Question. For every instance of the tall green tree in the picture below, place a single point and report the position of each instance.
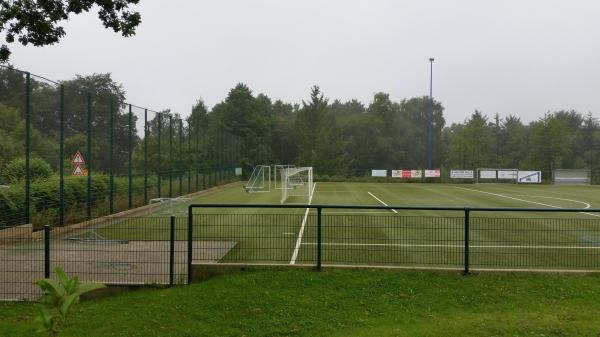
(319, 138)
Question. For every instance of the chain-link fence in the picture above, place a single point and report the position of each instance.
(75, 150)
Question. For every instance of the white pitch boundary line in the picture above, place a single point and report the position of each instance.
(523, 200)
(447, 246)
(356, 212)
(371, 194)
(301, 233)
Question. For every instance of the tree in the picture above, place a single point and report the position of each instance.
(414, 115)
(248, 118)
(39, 22)
(318, 137)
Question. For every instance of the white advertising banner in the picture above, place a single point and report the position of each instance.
(507, 174)
(238, 171)
(461, 174)
(378, 173)
(416, 173)
(396, 173)
(530, 177)
(432, 173)
(487, 174)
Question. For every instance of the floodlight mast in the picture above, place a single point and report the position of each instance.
(430, 119)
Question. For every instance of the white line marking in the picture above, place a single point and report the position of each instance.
(384, 204)
(289, 233)
(523, 200)
(353, 212)
(447, 246)
(301, 233)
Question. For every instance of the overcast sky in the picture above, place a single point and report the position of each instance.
(507, 57)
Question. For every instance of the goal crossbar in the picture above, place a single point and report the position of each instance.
(296, 184)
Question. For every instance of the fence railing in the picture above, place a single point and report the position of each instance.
(463, 238)
(110, 250)
(164, 250)
(84, 152)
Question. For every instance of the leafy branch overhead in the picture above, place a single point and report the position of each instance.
(40, 22)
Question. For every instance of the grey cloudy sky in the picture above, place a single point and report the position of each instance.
(506, 57)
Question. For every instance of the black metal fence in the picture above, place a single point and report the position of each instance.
(164, 250)
(74, 150)
(111, 250)
(466, 239)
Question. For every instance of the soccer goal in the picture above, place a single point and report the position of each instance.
(278, 174)
(172, 206)
(260, 180)
(296, 185)
(494, 175)
(572, 177)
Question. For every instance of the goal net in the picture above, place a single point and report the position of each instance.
(172, 206)
(493, 175)
(296, 185)
(278, 174)
(572, 177)
(260, 179)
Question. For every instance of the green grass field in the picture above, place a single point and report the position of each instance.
(403, 238)
(337, 302)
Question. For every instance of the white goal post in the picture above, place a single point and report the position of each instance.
(172, 206)
(277, 175)
(296, 185)
(572, 177)
(495, 175)
(260, 179)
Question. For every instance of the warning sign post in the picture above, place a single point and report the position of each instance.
(77, 162)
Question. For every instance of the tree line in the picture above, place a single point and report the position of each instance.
(349, 138)
(337, 138)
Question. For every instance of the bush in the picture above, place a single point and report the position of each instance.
(14, 171)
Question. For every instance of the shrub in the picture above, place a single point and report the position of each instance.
(14, 171)
(59, 299)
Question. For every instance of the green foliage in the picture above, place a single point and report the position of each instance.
(39, 23)
(45, 198)
(14, 171)
(60, 298)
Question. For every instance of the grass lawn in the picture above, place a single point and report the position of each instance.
(290, 302)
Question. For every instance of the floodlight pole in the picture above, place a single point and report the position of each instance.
(430, 119)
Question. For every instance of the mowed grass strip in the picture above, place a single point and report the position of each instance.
(289, 302)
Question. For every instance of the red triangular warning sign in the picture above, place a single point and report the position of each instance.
(77, 171)
(77, 159)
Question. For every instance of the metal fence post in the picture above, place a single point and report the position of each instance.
(158, 159)
(46, 251)
(61, 155)
(88, 199)
(111, 181)
(189, 157)
(172, 250)
(130, 159)
(170, 156)
(318, 238)
(27, 146)
(466, 248)
(179, 160)
(197, 156)
(146, 156)
(190, 245)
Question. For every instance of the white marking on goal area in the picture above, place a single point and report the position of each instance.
(384, 204)
(447, 246)
(301, 233)
(529, 201)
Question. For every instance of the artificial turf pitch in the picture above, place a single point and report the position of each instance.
(403, 238)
